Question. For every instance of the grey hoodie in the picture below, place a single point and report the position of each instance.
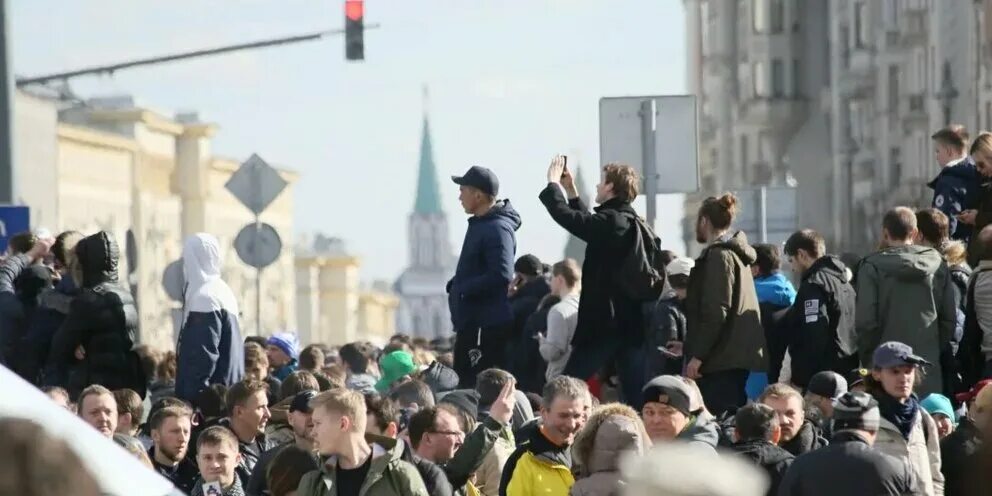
(363, 383)
(702, 432)
(906, 294)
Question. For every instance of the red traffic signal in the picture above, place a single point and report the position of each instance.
(354, 29)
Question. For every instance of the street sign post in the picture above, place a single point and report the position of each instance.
(768, 225)
(13, 220)
(656, 135)
(256, 185)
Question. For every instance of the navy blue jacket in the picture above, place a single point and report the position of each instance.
(210, 352)
(955, 190)
(477, 294)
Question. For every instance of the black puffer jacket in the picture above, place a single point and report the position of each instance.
(809, 438)
(103, 320)
(774, 460)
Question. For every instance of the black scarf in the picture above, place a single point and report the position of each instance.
(902, 415)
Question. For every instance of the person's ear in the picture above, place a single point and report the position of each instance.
(156, 437)
(392, 430)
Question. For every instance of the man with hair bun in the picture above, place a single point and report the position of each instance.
(724, 339)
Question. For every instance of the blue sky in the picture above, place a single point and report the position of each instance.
(512, 82)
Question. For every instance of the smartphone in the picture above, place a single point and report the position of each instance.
(668, 353)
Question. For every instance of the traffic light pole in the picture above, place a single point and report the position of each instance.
(112, 68)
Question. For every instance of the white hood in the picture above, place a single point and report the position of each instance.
(205, 290)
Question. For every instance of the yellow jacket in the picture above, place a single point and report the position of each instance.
(538, 468)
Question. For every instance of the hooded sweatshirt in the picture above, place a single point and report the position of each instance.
(905, 294)
(210, 346)
(724, 323)
(774, 460)
(477, 294)
(775, 289)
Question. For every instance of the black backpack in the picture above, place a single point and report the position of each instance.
(641, 274)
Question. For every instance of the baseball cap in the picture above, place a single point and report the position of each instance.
(394, 366)
(856, 410)
(669, 390)
(479, 178)
(972, 393)
(681, 266)
(857, 377)
(529, 265)
(895, 354)
(301, 402)
(827, 384)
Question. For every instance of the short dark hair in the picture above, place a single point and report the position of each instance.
(954, 136)
(94, 390)
(64, 244)
(564, 387)
(934, 226)
(382, 409)
(807, 240)
(666, 257)
(489, 383)
(239, 393)
(217, 435)
(325, 382)
(311, 358)
(756, 421)
(569, 270)
(22, 242)
(422, 423)
(899, 222)
(128, 401)
(296, 383)
(769, 261)
(413, 391)
(357, 356)
(160, 416)
(288, 468)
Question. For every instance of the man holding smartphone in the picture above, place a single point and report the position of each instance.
(610, 323)
(478, 293)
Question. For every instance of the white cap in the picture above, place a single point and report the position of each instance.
(681, 266)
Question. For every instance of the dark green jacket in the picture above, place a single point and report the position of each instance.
(388, 475)
(906, 294)
(721, 309)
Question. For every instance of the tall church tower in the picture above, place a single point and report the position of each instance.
(423, 302)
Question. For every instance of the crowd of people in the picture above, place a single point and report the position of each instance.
(622, 374)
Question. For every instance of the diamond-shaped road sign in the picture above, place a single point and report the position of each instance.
(256, 184)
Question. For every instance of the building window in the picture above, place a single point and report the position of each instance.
(988, 115)
(862, 30)
(845, 50)
(768, 16)
(778, 78)
(797, 81)
(890, 15)
(895, 167)
(745, 159)
(760, 75)
(893, 88)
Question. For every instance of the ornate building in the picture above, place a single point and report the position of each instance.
(423, 300)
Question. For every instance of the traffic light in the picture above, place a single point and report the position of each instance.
(354, 29)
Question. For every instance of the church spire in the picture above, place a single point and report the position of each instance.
(428, 198)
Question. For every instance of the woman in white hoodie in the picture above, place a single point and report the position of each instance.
(556, 346)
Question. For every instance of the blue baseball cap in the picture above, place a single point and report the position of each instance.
(479, 178)
(896, 354)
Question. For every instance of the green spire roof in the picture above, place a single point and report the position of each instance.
(428, 198)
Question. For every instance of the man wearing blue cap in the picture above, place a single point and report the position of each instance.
(906, 431)
(478, 293)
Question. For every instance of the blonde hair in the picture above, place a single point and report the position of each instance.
(781, 391)
(344, 402)
(955, 253)
(982, 144)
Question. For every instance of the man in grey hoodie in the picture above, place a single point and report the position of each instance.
(358, 357)
(905, 293)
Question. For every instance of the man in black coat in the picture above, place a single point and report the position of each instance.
(529, 287)
(610, 325)
(21, 283)
(820, 325)
(101, 329)
(756, 434)
(850, 465)
(958, 450)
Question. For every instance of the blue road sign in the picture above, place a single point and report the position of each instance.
(13, 220)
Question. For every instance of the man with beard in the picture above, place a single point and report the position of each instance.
(799, 435)
(170, 429)
(300, 419)
(248, 414)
